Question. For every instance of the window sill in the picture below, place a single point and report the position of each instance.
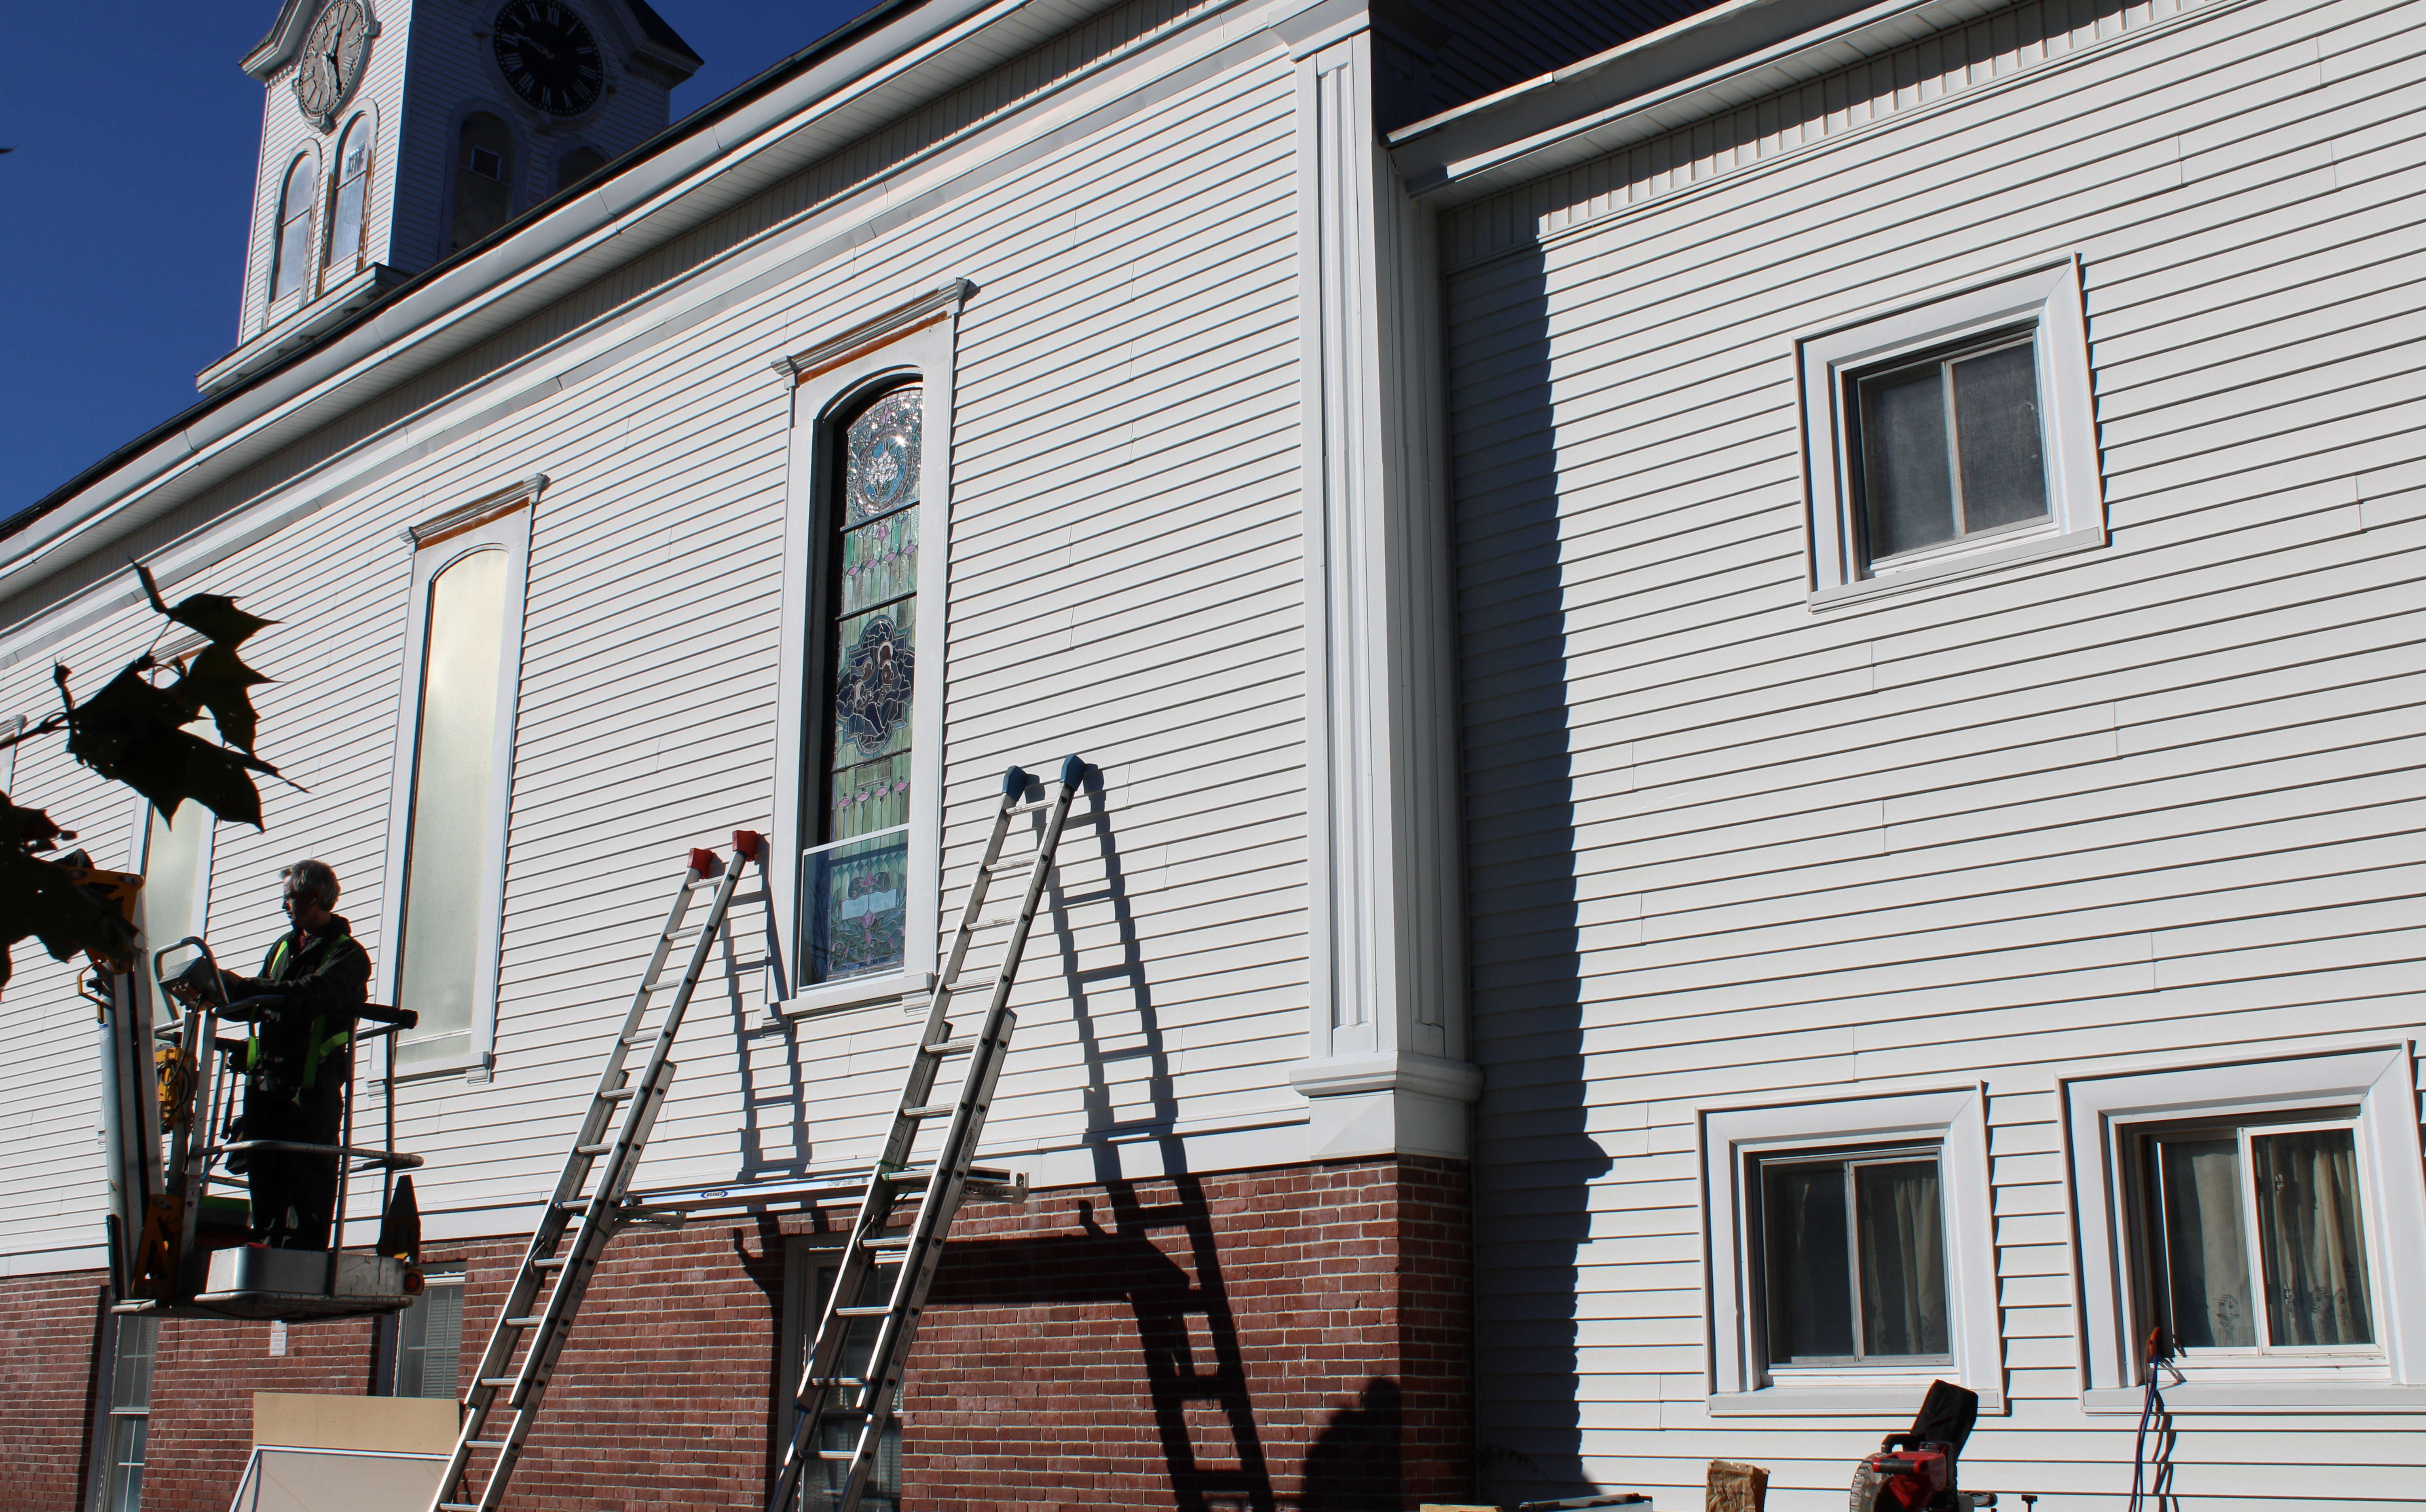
(1895, 1396)
(854, 992)
(1961, 565)
(477, 1070)
(2262, 1396)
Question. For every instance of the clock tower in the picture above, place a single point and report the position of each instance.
(398, 133)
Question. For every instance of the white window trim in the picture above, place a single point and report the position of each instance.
(1955, 1120)
(916, 340)
(497, 520)
(2379, 1079)
(2047, 296)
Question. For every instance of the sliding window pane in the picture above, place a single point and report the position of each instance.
(1997, 423)
(2206, 1251)
(1902, 1258)
(1808, 1275)
(2309, 1240)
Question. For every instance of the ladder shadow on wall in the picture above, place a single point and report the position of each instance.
(767, 1050)
(1534, 1156)
(1186, 1330)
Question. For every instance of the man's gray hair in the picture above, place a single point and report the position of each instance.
(317, 880)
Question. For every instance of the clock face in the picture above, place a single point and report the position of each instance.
(335, 51)
(550, 56)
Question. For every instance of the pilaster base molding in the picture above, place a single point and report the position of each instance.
(1391, 1104)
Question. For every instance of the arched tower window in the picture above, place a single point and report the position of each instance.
(484, 154)
(857, 892)
(577, 165)
(294, 230)
(353, 184)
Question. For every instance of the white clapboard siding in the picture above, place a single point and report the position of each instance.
(1126, 569)
(2162, 795)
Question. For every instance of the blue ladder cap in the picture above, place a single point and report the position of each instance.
(1015, 782)
(1073, 771)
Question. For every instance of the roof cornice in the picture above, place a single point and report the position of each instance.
(791, 115)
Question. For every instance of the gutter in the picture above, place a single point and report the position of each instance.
(669, 184)
(1696, 66)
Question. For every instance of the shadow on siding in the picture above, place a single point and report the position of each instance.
(1534, 1158)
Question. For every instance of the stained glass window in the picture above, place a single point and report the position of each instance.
(855, 887)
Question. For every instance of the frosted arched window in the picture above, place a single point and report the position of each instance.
(484, 152)
(447, 897)
(294, 230)
(353, 185)
(857, 889)
(577, 165)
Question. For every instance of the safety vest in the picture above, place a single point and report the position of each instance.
(321, 1044)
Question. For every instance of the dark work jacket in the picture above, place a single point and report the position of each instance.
(302, 1043)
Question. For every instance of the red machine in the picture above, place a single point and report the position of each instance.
(1915, 1470)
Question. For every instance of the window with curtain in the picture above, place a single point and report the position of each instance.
(1854, 1258)
(353, 185)
(2254, 1236)
(484, 154)
(854, 885)
(293, 256)
(448, 898)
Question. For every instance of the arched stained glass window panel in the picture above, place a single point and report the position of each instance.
(294, 230)
(856, 890)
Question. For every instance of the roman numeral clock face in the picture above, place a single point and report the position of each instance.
(550, 56)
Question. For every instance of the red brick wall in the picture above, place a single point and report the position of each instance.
(47, 1327)
(1286, 1338)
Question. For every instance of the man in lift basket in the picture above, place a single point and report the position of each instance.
(300, 1060)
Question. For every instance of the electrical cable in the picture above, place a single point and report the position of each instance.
(2152, 1409)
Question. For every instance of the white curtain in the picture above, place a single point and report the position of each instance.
(2309, 1238)
(2207, 1249)
(1903, 1259)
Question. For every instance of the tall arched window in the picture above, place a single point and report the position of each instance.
(294, 230)
(577, 165)
(856, 891)
(484, 152)
(353, 184)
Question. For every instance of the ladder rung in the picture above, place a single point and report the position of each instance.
(932, 1110)
(834, 1380)
(486, 1443)
(646, 1037)
(499, 1381)
(461, 1506)
(950, 1047)
(593, 1150)
(616, 1094)
(872, 1311)
(531, 1322)
(573, 1204)
(902, 1243)
(553, 1262)
(839, 1454)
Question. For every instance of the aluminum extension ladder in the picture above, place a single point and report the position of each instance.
(539, 1311)
(825, 1394)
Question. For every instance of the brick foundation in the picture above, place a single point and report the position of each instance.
(1286, 1338)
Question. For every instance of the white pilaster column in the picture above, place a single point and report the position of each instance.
(1386, 1067)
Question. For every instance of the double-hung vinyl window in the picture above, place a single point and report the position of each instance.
(454, 776)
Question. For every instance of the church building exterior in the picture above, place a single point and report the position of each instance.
(1750, 669)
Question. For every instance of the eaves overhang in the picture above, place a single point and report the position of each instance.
(1706, 63)
(891, 60)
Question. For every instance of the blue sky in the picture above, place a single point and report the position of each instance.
(122, 206)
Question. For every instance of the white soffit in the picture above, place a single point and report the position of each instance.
(1722, 57)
